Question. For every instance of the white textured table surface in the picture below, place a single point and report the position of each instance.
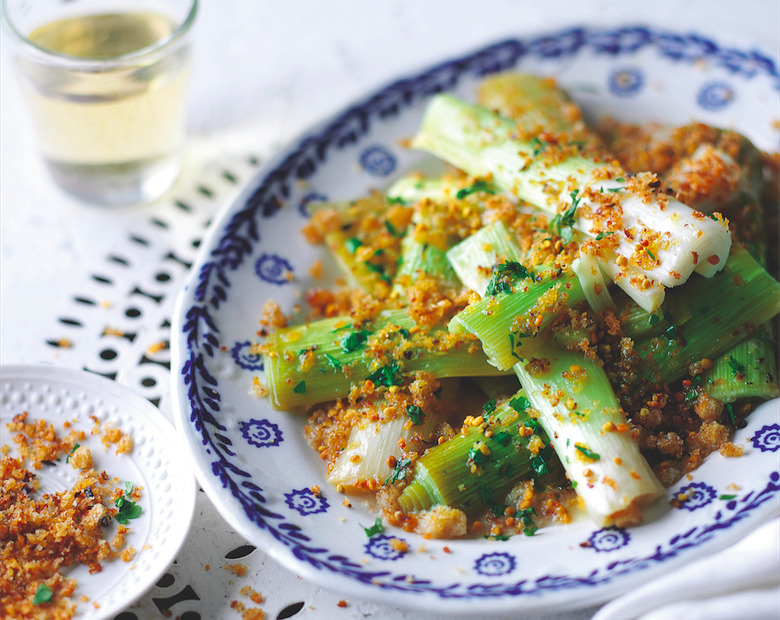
(263, 71)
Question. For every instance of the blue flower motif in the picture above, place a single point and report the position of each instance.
(767, 439)
(380, 547)
(495, 564)
(626, 82)
(261, 433)
(244, 356)
(715, 96)
(273, 269)
(694, 496)
(303, 205)
(608, 539)
(378, 161)
(306, 502)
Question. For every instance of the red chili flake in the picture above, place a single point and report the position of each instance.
(713, 260)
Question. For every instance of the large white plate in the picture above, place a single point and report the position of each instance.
(158, 464)
(254, 462)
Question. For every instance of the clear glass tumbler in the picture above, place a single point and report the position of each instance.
(105, 83)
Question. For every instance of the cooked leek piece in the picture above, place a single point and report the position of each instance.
(581, 415)
(668, 240)
(473, 258)
(711, 180)
(475, 469)
(747, 370)
(321, 360)
(417, 258)
(724, 310)
(531, 101)
(512, 325)
(592, 283)
(638, 322)
(372, 446)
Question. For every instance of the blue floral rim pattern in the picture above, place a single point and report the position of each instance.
(241, 234)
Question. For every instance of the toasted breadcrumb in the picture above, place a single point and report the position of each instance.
(41, 535)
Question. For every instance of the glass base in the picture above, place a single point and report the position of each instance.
(127, 183)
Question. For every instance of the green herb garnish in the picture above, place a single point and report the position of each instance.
(586, 452)
(334, 363)
(128, 509)
(300, 388)
(386, 375)
(415, 414)
(354, 341)
(478, 186)
(374, 529)
(489, 407)
(353, 244)
(399, 471)
(737, 368)
(503, 276)
(72, 450)
(488, 497)
(520, 404)
(539, 465)
(43, 594)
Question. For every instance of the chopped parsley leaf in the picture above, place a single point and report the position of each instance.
(654, 318)
(538, 146)
(727, 497)
(375, 529)
(478, 186)
(737, 368)
(416, 415)
(73, 449)
(563, 222)
(503, 276)
(526, 517)
(43, 594)
(730, 414)
(539, 465)
(587, 452)
(300, 388)
(399, 471)
(128, 509)
(502, 437)
(353, 244)
(395, 200)
(354, 341)
(601, 235)
(475, 454)
(489, 407)
(488, 497)
(497, 537)
(334, 363)
(386, 375)
(520, 404)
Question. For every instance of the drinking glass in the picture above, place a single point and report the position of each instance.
(105, 84)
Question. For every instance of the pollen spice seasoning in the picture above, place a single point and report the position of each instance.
(42, 535)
